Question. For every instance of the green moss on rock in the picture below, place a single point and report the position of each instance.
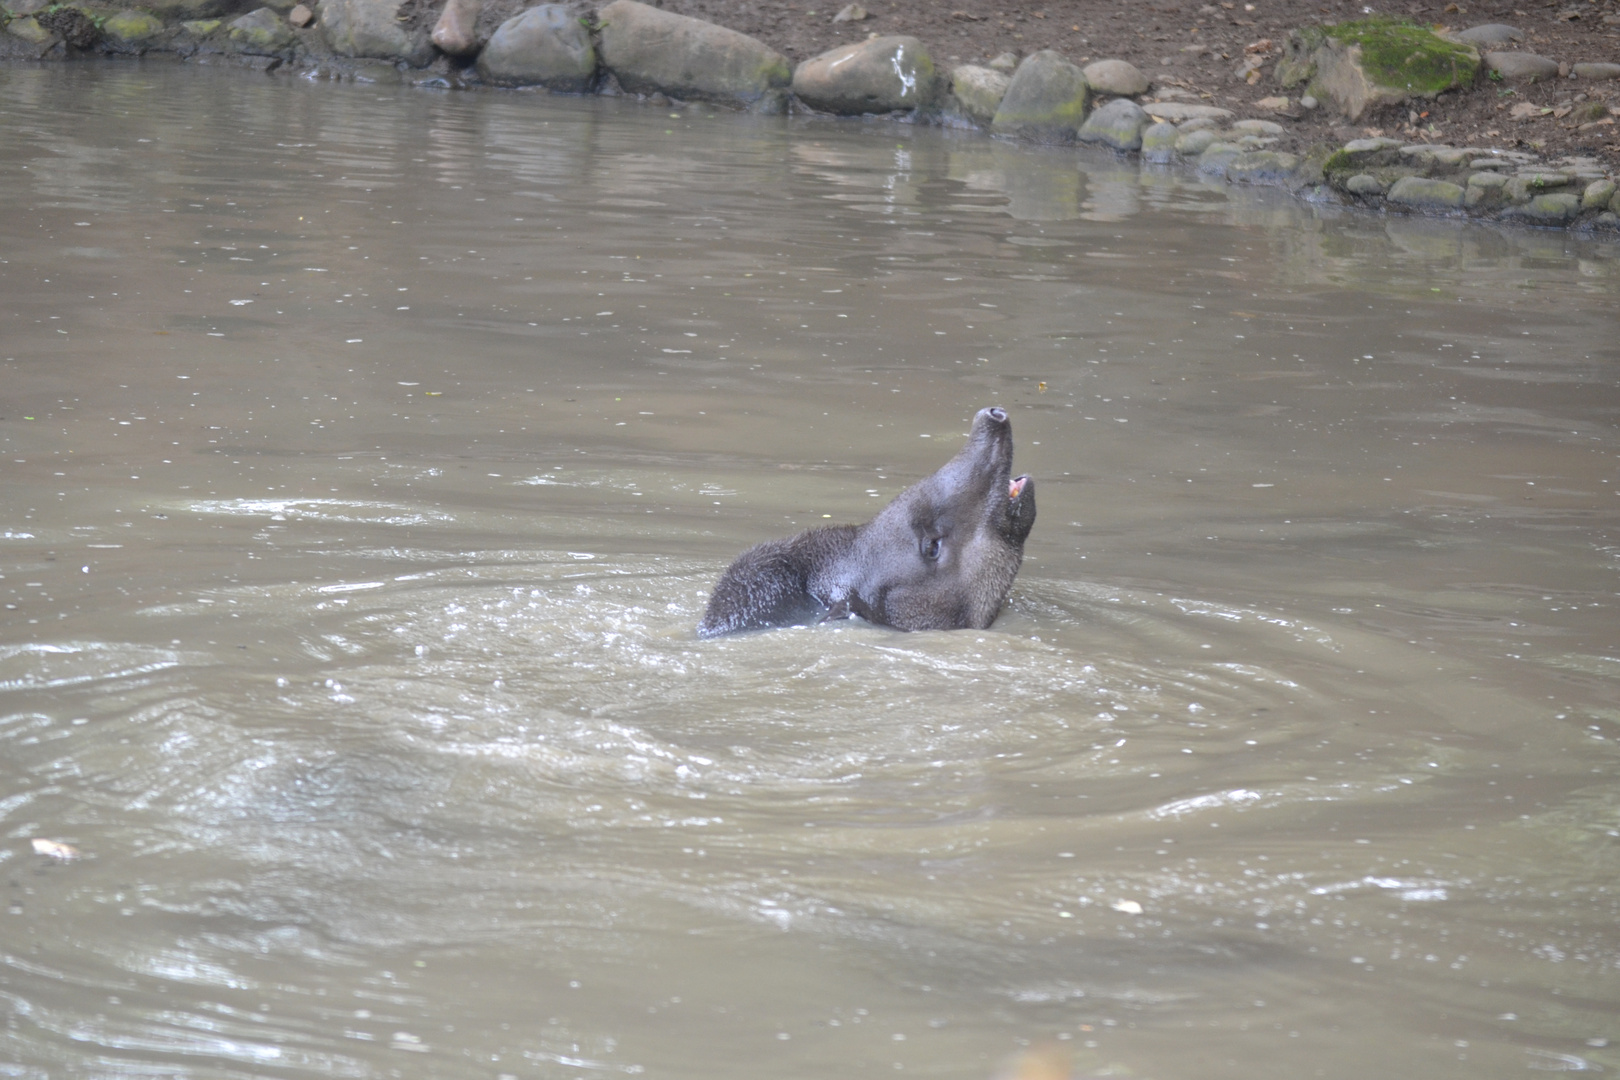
(1399, 53)
(130, 27)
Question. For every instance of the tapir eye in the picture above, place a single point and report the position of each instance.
(930, 548)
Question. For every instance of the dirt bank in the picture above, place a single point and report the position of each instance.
(1198, 47)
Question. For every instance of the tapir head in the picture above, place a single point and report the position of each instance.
(943, 554)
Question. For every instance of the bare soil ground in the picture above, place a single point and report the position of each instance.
(1197, 47)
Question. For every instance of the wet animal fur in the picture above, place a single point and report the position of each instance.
(941, 556)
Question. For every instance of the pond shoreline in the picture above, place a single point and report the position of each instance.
(676, 61)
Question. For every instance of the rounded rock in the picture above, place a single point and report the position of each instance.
(1485, 190)
(1217, 156)
(1554, 209)
(1422, 193)
(878, 75)
(1257, 127)
(544, 46)
(1117, 124)
(1177, 111)
(1489, 34)
(1364, 184)
(456, 32)
(260, 32)
(979, 91)
(655, 51)
(1262, 167)
(1597, 194)
(1195, 142)
(132, 27)
(1596, 71)
(1159, 142)
(1115, 77)
(1521, 65)
(28, 29)
(1046, 100)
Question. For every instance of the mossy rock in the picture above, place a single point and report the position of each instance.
(132, 27)
(1376, 61)
(260, 32)
(28, 29)
(78, 26)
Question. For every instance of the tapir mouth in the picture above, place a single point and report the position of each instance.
(1016, 487)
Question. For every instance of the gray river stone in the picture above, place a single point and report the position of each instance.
(181, 10)
(1557, 208)
(1528, 185)
(1046, 100)
(1364, 184)
(1159, 142)
(653, 51)
(1485, 190)
(456, 32)
(1489, 34)
(1596, 71)
(1257, 127)
(27, 28)
(372, 28)
(1117, 124)
(132, 27)
(1177, 111)
(1115, 77)
(1521, 65)
(1425, 194)
(260, 33)
(1262, 167)
(1359, 147)
(545, 46)
(1195, 142)
(1598, 195)
(878, 75)
(979, 90)
(1218, 156)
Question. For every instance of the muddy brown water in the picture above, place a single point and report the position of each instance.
(368, 455)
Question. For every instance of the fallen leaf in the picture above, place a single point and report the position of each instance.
(1526, 109)
(1045, 1062)
(1275, 104)
(1563, 111)
(1261, 46)
(55, 849)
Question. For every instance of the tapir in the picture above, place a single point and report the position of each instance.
(941, 556)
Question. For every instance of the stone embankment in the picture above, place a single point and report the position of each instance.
(627, 47)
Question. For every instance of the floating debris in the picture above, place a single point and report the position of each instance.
(55, 849)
